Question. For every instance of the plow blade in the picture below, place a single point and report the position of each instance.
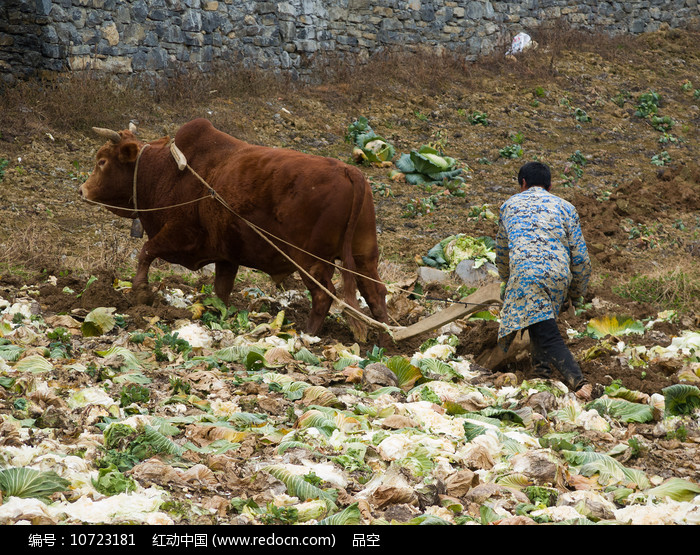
(482, 299)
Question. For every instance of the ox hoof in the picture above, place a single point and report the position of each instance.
(384, 340)
(358, 329)
(143, 295)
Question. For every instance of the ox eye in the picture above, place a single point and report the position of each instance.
(102, 162)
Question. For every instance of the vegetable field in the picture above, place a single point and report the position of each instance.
(192, 412)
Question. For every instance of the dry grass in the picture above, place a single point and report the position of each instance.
(23, 251)
(34, 249)
(76, 101)
(428, 71)
(69, 102)
(193, 90)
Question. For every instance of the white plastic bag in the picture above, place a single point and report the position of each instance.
(521, 41)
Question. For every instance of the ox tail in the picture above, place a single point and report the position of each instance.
(359, 190)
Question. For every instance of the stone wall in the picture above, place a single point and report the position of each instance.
(165, 36)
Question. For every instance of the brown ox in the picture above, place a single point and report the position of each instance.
(320, 205)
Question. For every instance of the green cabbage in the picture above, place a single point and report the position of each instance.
(427, 166)
(373, 147)
(464, 247)
(449, 252)
(428, 160)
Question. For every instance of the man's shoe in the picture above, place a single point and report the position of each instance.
(584, 392)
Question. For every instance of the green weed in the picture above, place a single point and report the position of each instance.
(574, 169)
(581, 115)
(668, 138)
(382, 190)
(676, 290)
(620, 98)
(663, 123)
(511, 151)
(517, 138)
(647, 104)
(420, 207)
(661, 159)
(680, 433)
(478, 118)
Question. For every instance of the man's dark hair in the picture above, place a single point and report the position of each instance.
(535, 174)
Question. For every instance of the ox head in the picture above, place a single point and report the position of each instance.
(111, 181)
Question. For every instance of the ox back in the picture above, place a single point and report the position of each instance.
(315, 209)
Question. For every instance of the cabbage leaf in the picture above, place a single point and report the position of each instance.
(681, 399)
(613, 325)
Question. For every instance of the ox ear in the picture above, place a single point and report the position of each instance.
(128, 152)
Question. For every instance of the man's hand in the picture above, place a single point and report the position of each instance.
(576, 302)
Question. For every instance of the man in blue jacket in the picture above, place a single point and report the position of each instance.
(542, 258)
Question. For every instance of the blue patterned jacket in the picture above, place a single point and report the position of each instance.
(541, 256)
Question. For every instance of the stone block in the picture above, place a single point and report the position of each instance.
(192, 21)
(288, 31)
(43, 7)
(110, 34)
(306, 45)
(157, 58)
(51, 50)
(472, 276)
(140, 11)
(285, 8)
(426, 274)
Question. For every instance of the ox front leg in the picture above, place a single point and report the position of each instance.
(320, 300)
(320, 306)
(372, 289)
(140, 290)
(224, 276)
(374, 292)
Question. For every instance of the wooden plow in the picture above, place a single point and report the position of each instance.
(481, 299)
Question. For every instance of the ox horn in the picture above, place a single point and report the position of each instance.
(107, 134)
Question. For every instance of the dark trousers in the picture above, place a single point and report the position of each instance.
(548, 352)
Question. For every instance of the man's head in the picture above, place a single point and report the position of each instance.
(534, 174)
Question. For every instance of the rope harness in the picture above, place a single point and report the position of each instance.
(182, 164)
